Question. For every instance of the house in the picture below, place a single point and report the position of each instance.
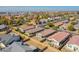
(58, 23)
(76, 26)
(73, 43)
(65, 21)
(57, 18)
(72, 18)
(3, 27)
(34, 31)
(64, 26)
(43, 22)
(50, 19)
(8, 39)
(8, 17)
(45, 33)
(23, 28)
(18, 47)
(58, 39)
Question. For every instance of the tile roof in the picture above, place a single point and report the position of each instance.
(58, 23)
(74, 40)
(25, 27)
(46, 32)
(59, 36)
(34, 30)
(29, 27)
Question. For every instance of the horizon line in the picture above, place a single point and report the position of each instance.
(38, 8)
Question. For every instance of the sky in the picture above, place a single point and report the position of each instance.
(38, 8)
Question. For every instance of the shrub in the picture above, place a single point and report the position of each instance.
(47, 27)
(70, 27)
(55, 27)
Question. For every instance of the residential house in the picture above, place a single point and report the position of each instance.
(43, 22)
(23, 28)
(9, 39)
(34, 31)
(58, 23)
(72, 18)
(73, 43)
(3, 27)
(45, 33)
(66, 21)
(8, 17)
(64, 26)
(50, 19)
(76, 26)
(18, 47)
(58, 39)
(57, 18)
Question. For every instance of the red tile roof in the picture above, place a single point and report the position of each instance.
(34, 30)
(29, 27)
(47, 32)
(74, 40)
(59, 36)
(58, 23)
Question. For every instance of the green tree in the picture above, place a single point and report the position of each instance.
(47, 27)
(70, 27)
(50, 24)
(55, 27)
(1, 21)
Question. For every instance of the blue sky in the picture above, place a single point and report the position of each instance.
(39, 8)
